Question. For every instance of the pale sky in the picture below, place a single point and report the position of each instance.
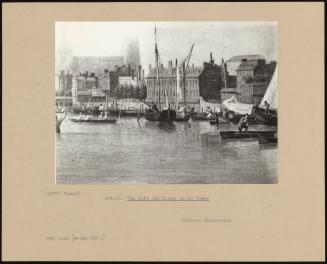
(223, 39)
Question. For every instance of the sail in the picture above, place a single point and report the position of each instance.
(232, 104)
(178, 86)
(167, 100)
(181, 79)
(206, 106)
(271, 93)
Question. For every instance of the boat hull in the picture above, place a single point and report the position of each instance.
(117, 112)
(230, 116)
(186, 117)
(94, 121)
(245, 134)
(167, 115)
(202, 117)
(268, 119)
(267, 139)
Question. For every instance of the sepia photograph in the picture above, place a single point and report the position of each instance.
(166, 102)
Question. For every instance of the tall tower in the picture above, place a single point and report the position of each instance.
(132, 53)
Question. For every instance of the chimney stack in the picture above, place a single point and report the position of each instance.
(161, 66)
(149, 68)
(193, 68)
(132, 74)
(129, 70)
(142, 76)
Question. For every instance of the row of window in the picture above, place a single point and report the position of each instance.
(192, 93)
(64, 104)
(171, 82)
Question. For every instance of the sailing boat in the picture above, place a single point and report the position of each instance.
(181, 114)
(154, 113)
(268, 117)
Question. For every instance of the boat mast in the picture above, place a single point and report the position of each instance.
(186, 60)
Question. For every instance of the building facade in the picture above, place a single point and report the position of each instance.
(65, 82)
(253, 77)
(234, 62)
(86, 90)
(204, 82)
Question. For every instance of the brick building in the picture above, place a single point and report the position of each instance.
(253, 77)
(234, 62)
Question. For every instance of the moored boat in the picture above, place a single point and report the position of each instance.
(266, 112)
(94, 120)
(245, 134)
(202, 117)
(220, 121)
(185, 118)
(125, 112)
(267, 139)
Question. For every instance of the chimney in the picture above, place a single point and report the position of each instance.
(176, 62)
(106, 71)
(92, 74)
(193, 68)
(86, 74)
(149, 68)
(129, 70)
(142, 76)
(132, 74)
(211, 61)
(161, 66)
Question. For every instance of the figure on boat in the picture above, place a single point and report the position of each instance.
(243, 123)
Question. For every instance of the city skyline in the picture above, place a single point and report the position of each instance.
(221, 38)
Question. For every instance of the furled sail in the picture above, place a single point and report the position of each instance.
(234, 105)
(271, 93)
(180, 80)
(211, 107)
(178, 88)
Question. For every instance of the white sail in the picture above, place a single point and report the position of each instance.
(206, 106)
(181, 79)
(178, 86)
(271, 93)
(232, 104)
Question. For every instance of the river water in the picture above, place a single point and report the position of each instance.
(144, 152)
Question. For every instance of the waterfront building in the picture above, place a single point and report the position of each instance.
(226, 93)
(253, 77)
(64, 101)
(65, 82)
(86, 91)
(234, 62)
(104, 80)
(205, 81)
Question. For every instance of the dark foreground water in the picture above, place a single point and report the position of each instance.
(132, 152)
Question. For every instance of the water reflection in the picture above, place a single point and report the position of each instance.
(140, 151)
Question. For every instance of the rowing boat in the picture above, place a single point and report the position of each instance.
(95, 121)
(267, 139)
(245, 134)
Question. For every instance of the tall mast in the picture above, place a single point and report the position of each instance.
(157, 61)
(186, 61)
